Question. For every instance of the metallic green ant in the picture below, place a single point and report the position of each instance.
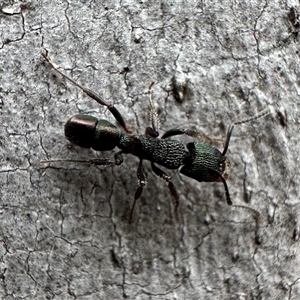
(198, 160)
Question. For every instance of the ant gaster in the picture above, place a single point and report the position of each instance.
(198, 160)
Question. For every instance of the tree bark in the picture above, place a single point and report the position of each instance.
(65, 231)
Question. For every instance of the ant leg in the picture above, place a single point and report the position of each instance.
(154, 120)
(150, 132)
(92, 162)
(191, 133)
(142, 181)
(118, 158)
(92, 95)
(171, 186)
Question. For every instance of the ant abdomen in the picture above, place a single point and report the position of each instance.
(89, 132)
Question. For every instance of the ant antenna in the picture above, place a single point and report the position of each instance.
(229, 131)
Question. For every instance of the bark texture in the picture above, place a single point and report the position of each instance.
(64, 230)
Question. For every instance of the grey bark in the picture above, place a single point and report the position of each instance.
(64, 230)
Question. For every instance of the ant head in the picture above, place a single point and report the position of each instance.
(88, 132)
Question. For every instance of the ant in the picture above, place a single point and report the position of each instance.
(198, 160)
